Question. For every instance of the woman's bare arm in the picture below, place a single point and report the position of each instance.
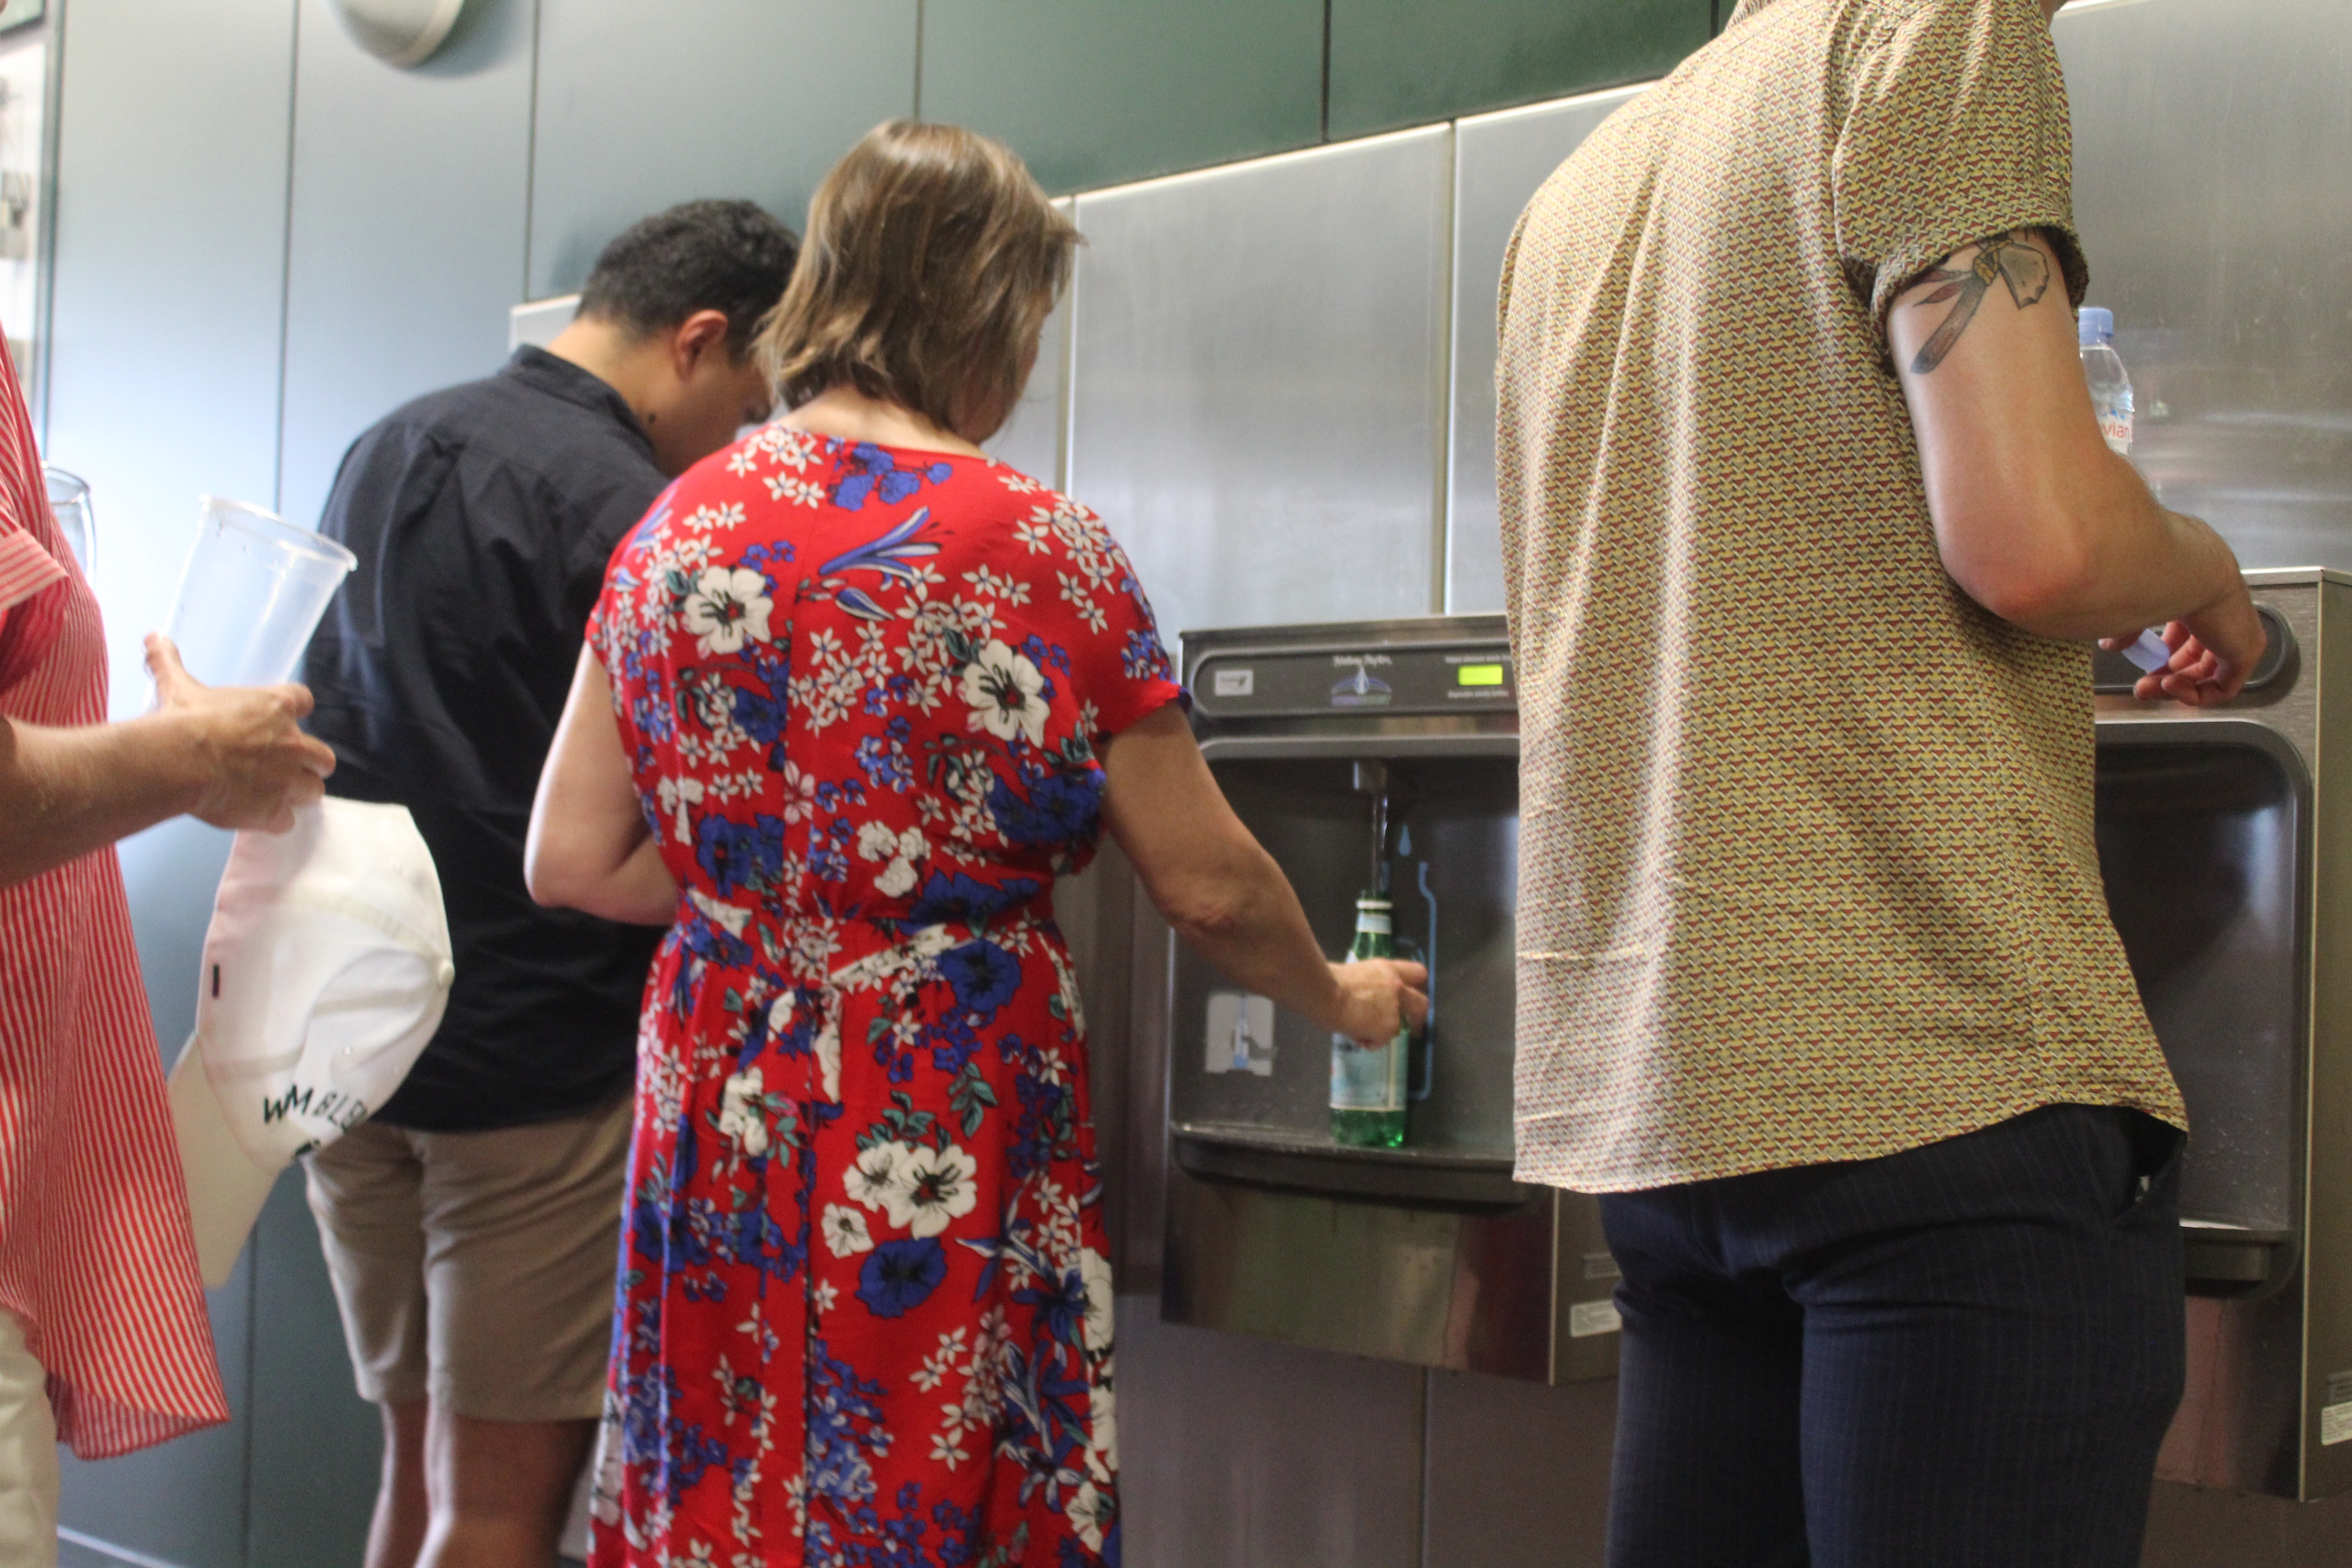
(589, 848)
(1224, 894)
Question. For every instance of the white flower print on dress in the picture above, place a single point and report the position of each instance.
(800, 794)
(726, 916)
(873, 1178)
(934, 1186)
(844, 1231)
(1094, 1270)
(1089, 1511)
(675, 796)
(1102, 1431)
(794, 491)
(1001, 687)
(726, 607)
(896, 879)
(741, 1116)
(902, 851)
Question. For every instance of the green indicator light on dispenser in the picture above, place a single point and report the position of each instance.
(1478, 675)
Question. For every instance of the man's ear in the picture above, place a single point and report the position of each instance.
(691, 339)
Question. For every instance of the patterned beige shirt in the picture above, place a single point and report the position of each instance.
(1806, 864)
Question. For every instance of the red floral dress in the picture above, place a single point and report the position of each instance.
(866, 1310)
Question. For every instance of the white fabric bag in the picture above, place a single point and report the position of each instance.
(327, 968)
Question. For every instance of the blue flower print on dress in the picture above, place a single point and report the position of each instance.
(899, 1275)
(983, 977)
(1143, 657)
(887, 555)
(953, 896)
(740, 855)
(875, 472)
(1058, 807)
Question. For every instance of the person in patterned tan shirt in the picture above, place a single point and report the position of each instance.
(1807, 527)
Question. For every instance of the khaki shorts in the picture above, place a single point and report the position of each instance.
(477, 1268)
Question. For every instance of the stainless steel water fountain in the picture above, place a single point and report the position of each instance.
(1431, 1253)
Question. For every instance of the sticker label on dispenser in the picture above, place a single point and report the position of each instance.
(1239, 1035)
(1233, 682)
(1586, 1319)
(2336, 1423)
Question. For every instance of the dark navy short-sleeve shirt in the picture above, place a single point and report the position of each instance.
(482, 516)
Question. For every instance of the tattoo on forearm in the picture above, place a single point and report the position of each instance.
(2011, 259)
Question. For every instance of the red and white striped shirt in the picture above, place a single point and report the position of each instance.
(95, 1256)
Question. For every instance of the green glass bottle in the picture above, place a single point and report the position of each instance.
(1368, 1087)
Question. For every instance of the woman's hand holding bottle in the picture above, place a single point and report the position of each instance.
(1378, 996)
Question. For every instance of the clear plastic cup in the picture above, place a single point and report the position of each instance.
(70, 504)
(251, 594)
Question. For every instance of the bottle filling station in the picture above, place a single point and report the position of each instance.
(1375, 759)
(1379, 760)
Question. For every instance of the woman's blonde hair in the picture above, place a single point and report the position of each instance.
(931, 262)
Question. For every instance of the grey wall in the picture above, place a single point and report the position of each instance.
(409, 201)
(163, 382)
(624, 122)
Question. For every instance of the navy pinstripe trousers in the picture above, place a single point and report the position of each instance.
(1960, 1356)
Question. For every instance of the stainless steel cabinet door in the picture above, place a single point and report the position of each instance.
(2209, 140)
(1258, 410)
(1500, 161)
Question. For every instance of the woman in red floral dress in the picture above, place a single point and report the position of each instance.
(863, 685)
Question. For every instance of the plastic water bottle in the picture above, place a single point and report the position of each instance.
(2111, 387)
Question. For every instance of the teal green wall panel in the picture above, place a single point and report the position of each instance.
(1095, 92)
(1406, 62)
(642, 103)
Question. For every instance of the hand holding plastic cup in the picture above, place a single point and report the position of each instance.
(251, 593)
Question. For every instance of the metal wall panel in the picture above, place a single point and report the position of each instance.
(1257, 407)
(410, 193)
(1236, 1453)
(1400, 62)
(169, 273)
(1091, 94)
(1519, 1472)
(2210, 142)
(642, 103)
(1498, 162)
(171, 234)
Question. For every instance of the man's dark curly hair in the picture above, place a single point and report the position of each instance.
(731, 256)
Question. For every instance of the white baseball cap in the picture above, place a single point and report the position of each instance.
(326, 970)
